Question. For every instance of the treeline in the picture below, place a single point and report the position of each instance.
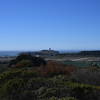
(83, 53)
(90, 53)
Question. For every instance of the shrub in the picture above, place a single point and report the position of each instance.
(68, 98)
(55, 68)
(13, 89)
(86, 76)
(18, 73)
(53, 98)
(27, 60)
(86, 93)
(64, 98)
(24, 63)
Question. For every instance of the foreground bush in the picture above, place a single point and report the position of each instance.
(65, 98)
(24, 85)
(86, 76)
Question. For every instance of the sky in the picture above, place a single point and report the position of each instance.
(43, 24)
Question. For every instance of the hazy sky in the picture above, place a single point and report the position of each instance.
(40, 24)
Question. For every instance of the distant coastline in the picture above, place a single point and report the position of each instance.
(16, 53)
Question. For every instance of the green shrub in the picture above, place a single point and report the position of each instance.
(13, 89)
(53, 98)
(24, 63)
(64, 98)
(27, 60)
(68, 98)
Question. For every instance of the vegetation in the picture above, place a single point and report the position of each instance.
(48, 81)
(22, 84)
(26, 60)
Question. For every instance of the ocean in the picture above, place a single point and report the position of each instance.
(9, 53)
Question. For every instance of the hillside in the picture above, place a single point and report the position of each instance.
(26, 78)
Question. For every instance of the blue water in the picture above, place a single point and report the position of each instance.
(9, 53)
